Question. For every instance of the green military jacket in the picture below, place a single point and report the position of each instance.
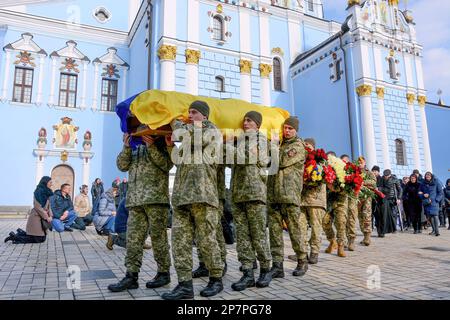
(369, 178)
(221, 188)
(287, 185)
(196, 182)
(314, 197)
(249, 178)
(148, 174)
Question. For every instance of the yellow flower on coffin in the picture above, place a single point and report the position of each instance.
(309, 169)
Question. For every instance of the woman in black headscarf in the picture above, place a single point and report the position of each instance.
(412, 203)
(38, 218)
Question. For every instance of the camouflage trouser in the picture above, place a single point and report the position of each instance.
(120, 239)
(200, 221)
(141, 220)
(351, 218)
(313, 215)
(219, 234)
(291, 215)
(251, 234)
(338, 215)
(365, 215)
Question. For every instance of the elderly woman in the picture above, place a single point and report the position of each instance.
(105, 216)
(38, 218)
(431, 193)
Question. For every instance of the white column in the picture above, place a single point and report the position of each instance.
(413, 130)
(39, 168)
(426, 141)
(193, 21)
(51, 98)
(6, 78)
(365, 99)
(41, 80)
(264, 34)
(86, 170)
(192, 78)
(265, 92)
(167, 75)
(124, 84)
(169, 20)
(244, 29)
(84, 92)
(295, 37)
(95, 97)
(383, 129)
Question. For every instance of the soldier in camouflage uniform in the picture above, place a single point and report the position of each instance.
(202, 271)
(147, 200)
(195, 201)
(249, 195)
(313, 207)
(337, 214)
(284, 196)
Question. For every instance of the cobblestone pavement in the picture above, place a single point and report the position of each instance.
(410, 267)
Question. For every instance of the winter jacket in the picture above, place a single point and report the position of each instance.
(37, 213)
(120, 224)
(82, 205)
(391, 188)
(447, 194)
(105, 209)
(96, 191)
(434, 189)
(60, 204)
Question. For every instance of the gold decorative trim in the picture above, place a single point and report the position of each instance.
(393, 2)
(422, 100)
(351, 3)
(167, 52)
(265, 70)
(380, 92)
(192, 56)
(245, 66)
(364, 90)
(278, 50)
(219, 8)
(64, 156)
(410, 97)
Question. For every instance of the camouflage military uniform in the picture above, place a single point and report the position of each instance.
(195, 201)
(284, 196)
(313, 206)
(148, 202)
(336, 214)
(249, 196)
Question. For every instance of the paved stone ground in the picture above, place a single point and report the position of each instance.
(411, 267)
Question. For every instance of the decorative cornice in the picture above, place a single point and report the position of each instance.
(265, 70)
(380, 93)
(351, 3)
(410, 97)
(422, 100)
(167, 52)
(192, 56)
(278, 51)
(245, 66)
(364, 90)
(393, 2)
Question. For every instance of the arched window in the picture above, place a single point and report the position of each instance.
(218, 28)
(277, 75)
(400, 152)
(392, 68)
(220, 84)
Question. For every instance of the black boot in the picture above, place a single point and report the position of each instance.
(200, 272)
(129, 282)
(264, 278)
(184, 290)
(214, 286)
(247, 281)
(314, 258)
(277, 270)
(302, 267)
(20, 232)
(10, 237)
(161, 279)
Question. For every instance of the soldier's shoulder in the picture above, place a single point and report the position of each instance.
(209, 125)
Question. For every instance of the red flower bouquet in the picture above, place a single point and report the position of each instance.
(317, 171)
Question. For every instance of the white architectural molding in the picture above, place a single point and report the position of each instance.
(41, 80)
(264, 35)
(192, 78)
(96, 84)
(51, 98)
(368, 130)
(167, 75)
(426, 141)
(193, 21)
(295, 39)
(84, 89)
(6, 78)
(124, 84)
(168, 19)
(383, 134)
(413, 133)
(266, 92)
(409, 72)
(244, 31)
(86, 168)
(246, 87)
(419, 72)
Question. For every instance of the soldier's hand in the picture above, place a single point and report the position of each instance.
(126, 139)
(148, 140)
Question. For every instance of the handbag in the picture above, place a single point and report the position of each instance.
(46, 225)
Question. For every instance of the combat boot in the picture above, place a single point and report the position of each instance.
(110, 242)
(184, 290)
(129, 282)
(161, 279)
(331, 247)
(314, 258)
(200, 272)
(366, 240)
(265, 277)
(277, 270)
(302, 267)
(214, 287)
(247, 281)
(351, 244)
(341, 252)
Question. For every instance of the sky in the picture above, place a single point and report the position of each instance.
(432, 18)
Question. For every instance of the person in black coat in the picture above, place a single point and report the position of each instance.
(412, 203)
(376, 202)
(447, 201)
(390, 187)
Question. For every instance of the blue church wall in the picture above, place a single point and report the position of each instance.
(400, 67)
(180, 70)
(82, 11)
(438, 119)
(312, 37)
(419, 133)
(213, 64)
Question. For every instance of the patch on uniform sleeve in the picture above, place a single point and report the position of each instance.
(292, 153)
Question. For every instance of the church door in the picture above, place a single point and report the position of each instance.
(63, 174)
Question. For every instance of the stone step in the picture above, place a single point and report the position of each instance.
(12, 216)
(14, 212)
